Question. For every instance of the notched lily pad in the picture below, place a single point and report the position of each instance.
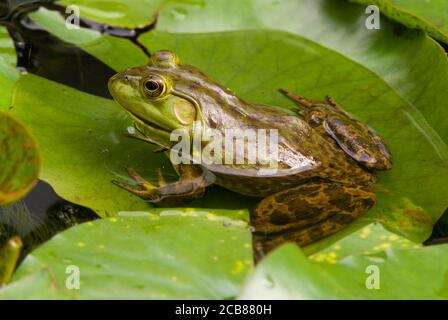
(19, 159)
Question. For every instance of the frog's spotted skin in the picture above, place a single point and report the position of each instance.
(325, 156)
(357, 139)
(307, 212)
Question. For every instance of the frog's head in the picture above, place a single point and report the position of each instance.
(148, 94)
(166, 95)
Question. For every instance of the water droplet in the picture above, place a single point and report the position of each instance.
(131, 130)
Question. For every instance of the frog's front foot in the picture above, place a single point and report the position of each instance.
(145, 190)
(190, 186)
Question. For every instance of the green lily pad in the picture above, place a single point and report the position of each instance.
(370, 240)
(406, 110)
(141, 256)
(8, 72)
(117, 53)
(118, 13)
(391, 274)
(19, 158)
(429, 16)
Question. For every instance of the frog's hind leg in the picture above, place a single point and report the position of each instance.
(303, 102)
(307, 213)
(357, 139)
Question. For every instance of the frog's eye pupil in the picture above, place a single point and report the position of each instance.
(154, 86)
(151, 85)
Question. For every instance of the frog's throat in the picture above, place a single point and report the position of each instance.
(147, 123)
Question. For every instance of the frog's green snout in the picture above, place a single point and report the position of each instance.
(120, 84)
(119, 77)
(113, 81)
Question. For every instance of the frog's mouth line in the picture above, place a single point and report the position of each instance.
(148, 123)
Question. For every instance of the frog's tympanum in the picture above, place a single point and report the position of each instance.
(325, 157)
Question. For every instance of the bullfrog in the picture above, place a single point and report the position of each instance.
(325, 158)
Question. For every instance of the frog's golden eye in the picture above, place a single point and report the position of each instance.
(154, 86)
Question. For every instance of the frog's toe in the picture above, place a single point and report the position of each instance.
(144, 194)
(160, 177)
(140, 180)
(300, 100)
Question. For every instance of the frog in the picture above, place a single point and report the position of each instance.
(326, 159)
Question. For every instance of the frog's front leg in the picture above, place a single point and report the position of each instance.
(357, 139)
(191, 185)
(307, 213)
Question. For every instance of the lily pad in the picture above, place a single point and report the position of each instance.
(141, 256)
(370, 240)
(117, 53)
(390, 274)
(8, 72)
(411, 63)
(430, 16)
(119, 13)
(19, 158)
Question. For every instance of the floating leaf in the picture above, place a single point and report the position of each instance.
(142, 256)
(430, 16)
(370, 240)
(118, 13)
(117, 53)
(19, 160)
(8, 71)
(390, 274)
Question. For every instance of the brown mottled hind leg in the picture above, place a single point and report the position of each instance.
(307, 213)
(191, 185)
(356, 138)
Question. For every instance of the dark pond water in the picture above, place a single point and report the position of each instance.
(42, 213)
